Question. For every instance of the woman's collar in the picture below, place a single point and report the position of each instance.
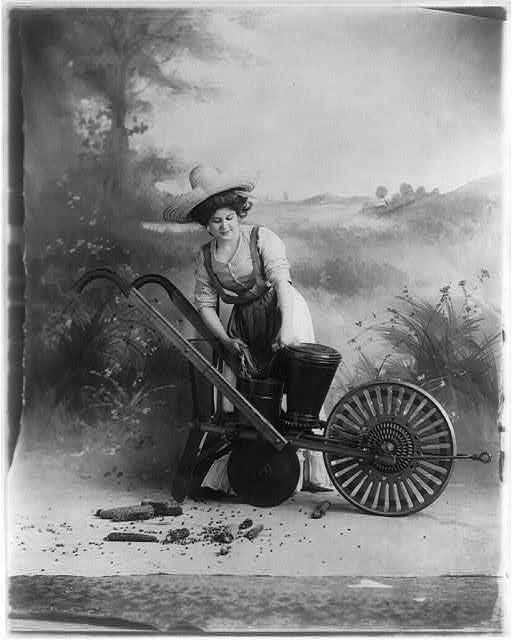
(239, 242)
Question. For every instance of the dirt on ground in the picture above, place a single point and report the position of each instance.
(53, 528)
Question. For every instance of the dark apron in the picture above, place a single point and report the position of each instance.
(256, 317)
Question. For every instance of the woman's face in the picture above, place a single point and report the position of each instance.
(224, 225)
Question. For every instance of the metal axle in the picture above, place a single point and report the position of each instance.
(484, 457)
(313, 443)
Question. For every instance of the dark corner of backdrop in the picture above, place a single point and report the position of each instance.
(15, 234)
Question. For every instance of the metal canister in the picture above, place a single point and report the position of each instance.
(265, 395)
(307, 370)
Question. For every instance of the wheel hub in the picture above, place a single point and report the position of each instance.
(391, 438)
(388, 446)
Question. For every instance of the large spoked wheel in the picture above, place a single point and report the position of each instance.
(393, 419)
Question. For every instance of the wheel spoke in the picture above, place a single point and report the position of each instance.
(425, 416)
(345, 435)
(342, 472)
(360, 407)
(376, 496)
(432, 466)
(351, 479)
(415, 490)
(389, 396)
(436, 447)
(423, 484)
(355, 490)
(356, 417)
(409, 403)
(366, 493)
(386, 497)
(369, 402)
(433, 425)
(338, 461)
(399, 400)
(356, 428)
(397, 498)
(436, 436)
(418, 409)
(429, 476)
(379, 399)
(406, 495)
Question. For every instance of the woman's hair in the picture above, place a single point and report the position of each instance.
(226, 200)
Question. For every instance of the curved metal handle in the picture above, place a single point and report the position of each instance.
(105, 274)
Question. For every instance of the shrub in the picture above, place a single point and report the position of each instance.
(443, 348)
(75, 339)
(447, 346)
(110, 400)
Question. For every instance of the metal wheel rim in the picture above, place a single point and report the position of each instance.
(400, 418)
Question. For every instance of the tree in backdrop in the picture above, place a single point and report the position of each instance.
(114, 55)
(420, 192)
(395, 200)
(406, 192)
(119, 53)
(381, 193)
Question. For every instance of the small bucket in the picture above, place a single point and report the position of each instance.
(265, 396)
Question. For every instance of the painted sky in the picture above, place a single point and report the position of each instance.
(341, 100)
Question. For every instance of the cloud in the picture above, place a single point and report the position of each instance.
(339, 100)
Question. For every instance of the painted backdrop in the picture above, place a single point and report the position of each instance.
(377, 139)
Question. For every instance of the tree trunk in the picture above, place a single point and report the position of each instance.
(117, 149)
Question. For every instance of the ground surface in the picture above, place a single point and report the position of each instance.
(347, 570)
(53, 529)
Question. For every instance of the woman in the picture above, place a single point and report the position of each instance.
(245, 266)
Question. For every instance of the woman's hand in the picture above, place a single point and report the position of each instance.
(285, 337)
(235, 346)
(212, 321)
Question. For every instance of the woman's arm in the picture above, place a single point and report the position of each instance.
(285, 302)
(205, 297)
(212, 321)
(277, 271)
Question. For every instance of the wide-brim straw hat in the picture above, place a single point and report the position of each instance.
(205, 182)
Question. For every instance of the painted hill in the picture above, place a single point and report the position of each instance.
(454, 213)
(331, 198)
(487, 188)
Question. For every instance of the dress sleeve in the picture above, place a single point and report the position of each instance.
(273, 253)
(205, 294)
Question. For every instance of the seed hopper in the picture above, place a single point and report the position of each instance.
(388, 446)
